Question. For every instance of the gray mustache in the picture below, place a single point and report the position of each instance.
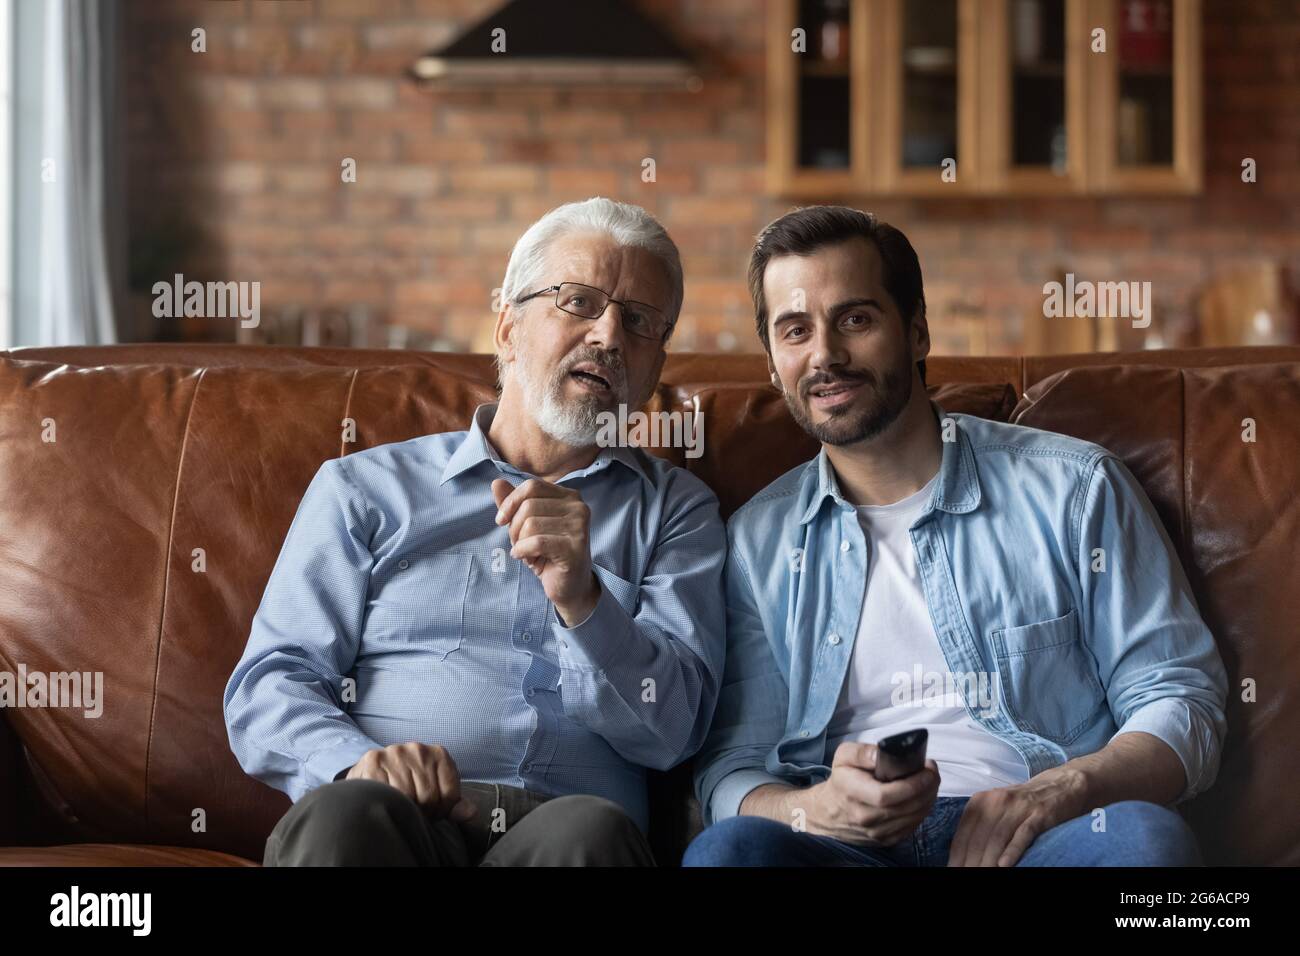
(611, 361)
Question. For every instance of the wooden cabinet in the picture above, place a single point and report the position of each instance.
(983, 97)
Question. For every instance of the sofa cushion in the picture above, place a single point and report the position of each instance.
(1231, 507)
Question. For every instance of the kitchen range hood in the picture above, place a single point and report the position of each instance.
(559, 43)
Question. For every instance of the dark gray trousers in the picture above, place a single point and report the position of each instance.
(367, 823)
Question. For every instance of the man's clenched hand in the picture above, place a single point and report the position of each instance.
(550, 532)
(425, 773)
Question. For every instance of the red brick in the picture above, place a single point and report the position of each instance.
(465, 122)
(294, 93)
(358, 9)
(1103, 238)
(498, 239)
(281, 9)
(422, 239)
(360, 206)
(240, 177)
(676, 121)
(246, 123)
(351, 291)
(270, 206)
(746, 180)
(442, 292)
(295, 122)
(584, 181)
(705, 210)
(698, 150)
(438, 148)
(399, 180)
(501, 178)
(413, 36)
(191, 10)
(409, 120)
(526, 209)
(457, 209)
(460, 10)
(676, 181)
(225, 91)
(305, 179)
(604, 124)
(363, 93)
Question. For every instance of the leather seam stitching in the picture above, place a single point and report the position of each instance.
(347, 407)
(167, 569)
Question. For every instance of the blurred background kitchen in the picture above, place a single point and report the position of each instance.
(145, 138)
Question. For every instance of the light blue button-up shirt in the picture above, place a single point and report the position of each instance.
(1044, 567)
(395, 613)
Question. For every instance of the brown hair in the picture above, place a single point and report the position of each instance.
(805, 230)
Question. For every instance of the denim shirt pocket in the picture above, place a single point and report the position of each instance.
(1049, 684)
(419, 603)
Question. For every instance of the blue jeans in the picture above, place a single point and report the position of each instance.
(1137, 834)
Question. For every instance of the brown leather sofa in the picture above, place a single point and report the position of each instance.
(160, 449)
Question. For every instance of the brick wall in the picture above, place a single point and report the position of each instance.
(234, 162)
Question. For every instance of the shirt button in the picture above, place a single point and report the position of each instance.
(803, 733)
(528, 768)
(564, 644)
(527, 637)
(403, 564)
(531, 692)
(834, 638)
(844, 546)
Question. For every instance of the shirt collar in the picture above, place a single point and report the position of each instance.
(958, 490)
(476, 449)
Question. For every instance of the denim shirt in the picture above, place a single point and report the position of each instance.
(1076, 644)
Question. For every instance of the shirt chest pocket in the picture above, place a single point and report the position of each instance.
(419, 604)
(1049, 683)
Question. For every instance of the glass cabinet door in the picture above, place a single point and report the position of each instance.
(929, 121)
(1033, 85)
(929, 61)
(817, 83)
(1146, 95)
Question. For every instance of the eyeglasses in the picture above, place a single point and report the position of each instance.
(589, 303)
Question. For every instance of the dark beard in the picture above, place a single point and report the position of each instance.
(855, 423)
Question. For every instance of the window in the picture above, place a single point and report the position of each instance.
(6, 175)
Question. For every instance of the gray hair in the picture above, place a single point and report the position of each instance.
(626, 224)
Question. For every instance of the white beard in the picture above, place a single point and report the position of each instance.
(572, 421)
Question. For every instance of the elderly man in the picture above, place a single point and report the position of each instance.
(473, 643)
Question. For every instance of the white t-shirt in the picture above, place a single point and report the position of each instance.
(899, 680)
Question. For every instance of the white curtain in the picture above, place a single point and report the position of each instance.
(78, 203)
